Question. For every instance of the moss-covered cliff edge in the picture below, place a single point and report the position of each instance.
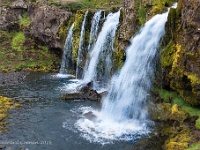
(180, 56)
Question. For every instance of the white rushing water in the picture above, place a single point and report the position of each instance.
(94, 29)
(124, 114)
(67, 53)
(81, 46)
(104, 43)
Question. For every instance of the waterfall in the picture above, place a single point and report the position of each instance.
(67, 52)
(124, 114)
(94, 29)
(104, 44)
(80, 62)
(93, 35)
(129, 89)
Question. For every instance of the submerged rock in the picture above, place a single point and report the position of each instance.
(90, 115)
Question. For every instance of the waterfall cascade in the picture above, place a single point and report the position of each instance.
(94, 29)
(81, 48)
(124, 114)
(93, 35)
(67, 52)
(103, 45)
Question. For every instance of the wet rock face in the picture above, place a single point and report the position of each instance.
(46, 22)
(182, 70)
(128, 23)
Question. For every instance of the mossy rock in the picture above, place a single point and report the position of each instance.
(177, 114)
(167, 55)
(5, 105)
(164, 112)
(3, 116)
(178, 136)
(161, 112)
(179, 142)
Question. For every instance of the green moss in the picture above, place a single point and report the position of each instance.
(195, 146)
(5, 105)
(64, 28)
(161, 112)
(165, 95)
(178, 137)
(157, 9)
(18, 41)
(142, 15)
(86, 4)
(194, 79)
(159, 6)
(177, 114)
(76, 31)
(118, 59)
(167, 55)
(25, 21)
(18, 52)
(197, 123)
(176, 99)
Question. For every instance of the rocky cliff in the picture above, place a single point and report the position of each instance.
(180, 50)
(45, 21)
(180, 56)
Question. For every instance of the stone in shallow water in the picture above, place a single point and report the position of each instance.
(90, 115)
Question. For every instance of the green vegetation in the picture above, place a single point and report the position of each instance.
(147, 9)
(168, 55)
(18, 41)
(5, 105)
(194, 79)
(22, 53)
(173, 97)
(179, 136)
(195, 146)
(25, 21)
(86, 4)
(180, 141)
(142, 14)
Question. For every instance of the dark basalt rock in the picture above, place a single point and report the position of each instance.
(87, 95)
(85, 92)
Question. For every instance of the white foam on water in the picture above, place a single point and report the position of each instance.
(103, 129)
(59, 75)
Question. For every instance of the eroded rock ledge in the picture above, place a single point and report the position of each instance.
(45, 21)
